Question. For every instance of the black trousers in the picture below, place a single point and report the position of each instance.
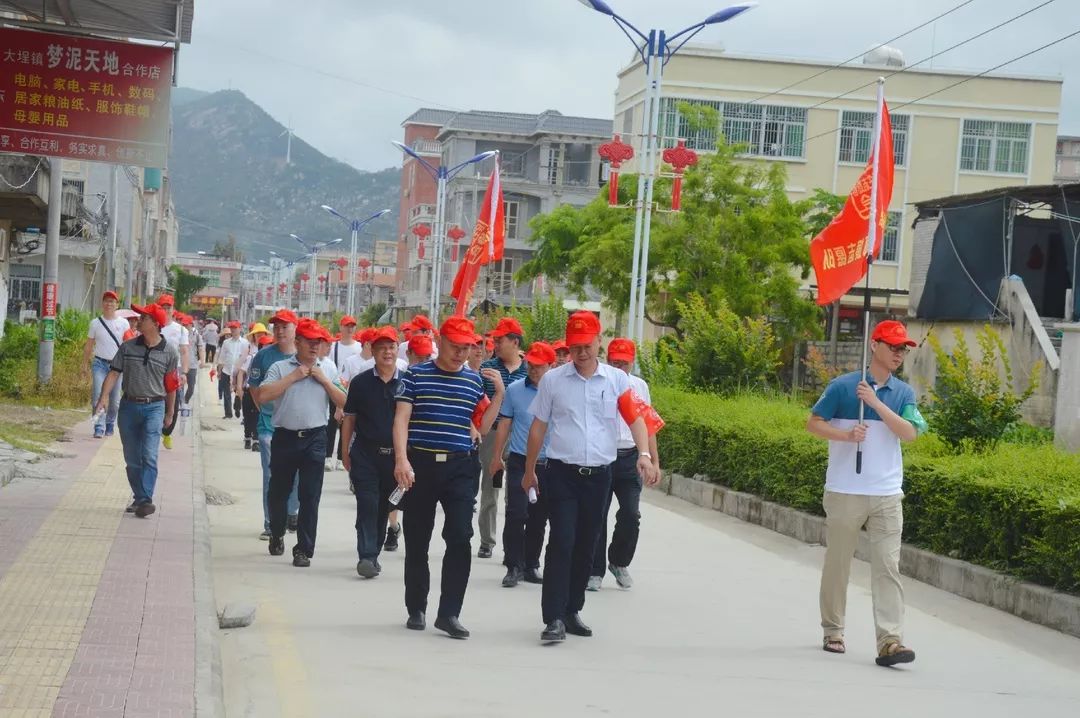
(211, 350)
(192, 375)
(372, 477)
(525, 523)
(453, 484)
(626, 487)
(293, 455)
(251, 416)
(575, 497)
(225, 393)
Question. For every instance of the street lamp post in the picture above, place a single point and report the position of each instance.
(655, 50)
(313, 253)
(355, 226)
(442, 176)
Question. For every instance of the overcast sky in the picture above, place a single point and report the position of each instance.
(347, 72)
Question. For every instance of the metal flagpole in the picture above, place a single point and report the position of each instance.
(650, 182)
(872, 226)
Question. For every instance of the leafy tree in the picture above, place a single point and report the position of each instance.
(370, 316)
(185, 284)
(228, 249)
(546, 322)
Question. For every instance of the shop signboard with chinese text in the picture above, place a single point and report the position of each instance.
(84, 98)
(48, 311)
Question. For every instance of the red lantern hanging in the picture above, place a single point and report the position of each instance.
(322, 279)
(680, 157)
(422, 231)
(341, 263)
(364, 263)
(282, 287)
(616, 152)
(455, 233)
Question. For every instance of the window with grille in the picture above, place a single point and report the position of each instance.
(510, 209)
(857, 137)
(763, 130)
(988, 146)
(890, 245)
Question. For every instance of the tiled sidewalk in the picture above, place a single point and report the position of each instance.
(97, 608)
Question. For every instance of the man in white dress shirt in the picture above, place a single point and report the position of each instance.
(579, 404)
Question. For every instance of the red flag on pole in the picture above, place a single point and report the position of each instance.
(487, 244)
(839, 252)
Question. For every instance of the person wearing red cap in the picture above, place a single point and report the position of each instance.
(509, 337)
(869, 494)
(175, 334)
(476, 353)
(523, 528)
(304, 389)
(284, 347)
(562, 354)
(419, 326)
(435, 463)
(419, 349)
(102, 342)
(228, 357)
(626, 484)
(146, 366)
(365, 360)
(578, 404)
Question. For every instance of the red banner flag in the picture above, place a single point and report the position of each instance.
(839, 252)
(487, 244)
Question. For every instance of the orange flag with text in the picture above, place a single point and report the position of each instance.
(488, 240)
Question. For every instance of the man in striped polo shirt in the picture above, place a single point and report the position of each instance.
(436, 404)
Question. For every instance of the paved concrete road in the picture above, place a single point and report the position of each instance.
(722, 621)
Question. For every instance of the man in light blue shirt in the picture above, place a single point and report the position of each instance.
(523, 527)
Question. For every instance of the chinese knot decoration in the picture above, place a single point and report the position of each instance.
(281, 288)
(322, 279)
(364, 263)
(341, 263)
(616, 152)
(422, 231)
(455, 233)
(304, 277)
(680, 157)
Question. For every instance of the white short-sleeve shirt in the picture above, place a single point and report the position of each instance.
(340, 353)
(626, 439)
(356, 365)
(104, 346)
(582, 415)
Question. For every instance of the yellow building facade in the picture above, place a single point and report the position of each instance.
(973, 135)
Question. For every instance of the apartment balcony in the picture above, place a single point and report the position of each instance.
(422, 214)
(430, 148)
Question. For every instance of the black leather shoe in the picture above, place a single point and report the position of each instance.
(292, 523)
(575, 627)
(452, 626)
(484, 552)
(554, 632)
(416, 621)
(277, 545)
(512, 578)
(301, 560)
(532, 575)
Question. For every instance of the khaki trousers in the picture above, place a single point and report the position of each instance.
(489, 495)
(845, 516)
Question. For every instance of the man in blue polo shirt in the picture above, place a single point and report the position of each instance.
(433, 461)
(871, 496)
(523, 527)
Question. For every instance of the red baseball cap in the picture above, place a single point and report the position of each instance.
(621, 350)
(489, 344)
(153, 311)
(384, 334)
(166, 300)
(459, 330)
(507, 325)
(892, 332)
(421, 345)
(110, 294)
(311, 329)
(540, 353)
(421, 322)
(478, 339)
(560, 346)
(582, 328)
(283, 315)
(185, 319)
(347, 319)
(265, 339)
(234, 325)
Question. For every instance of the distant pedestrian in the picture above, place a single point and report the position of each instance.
(419, 326)
(210, 336)
(578, 403)
(420, 349)
(257, 337)
(227, 358)
(562, 354)
(146, 367)
(626, 484)
(525, 520)
(871, 497)
(433, 424)
(104, 338)
(304, 389)
(176, 335)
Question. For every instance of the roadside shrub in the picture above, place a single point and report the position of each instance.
(973, 402)
(662, 364)
(1016, 509)
(723, 351)
(545, 321)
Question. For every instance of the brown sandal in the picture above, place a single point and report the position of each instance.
(833, 645)
(894, 653)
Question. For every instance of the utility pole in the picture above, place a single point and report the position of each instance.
(114, 213)
(50, 283)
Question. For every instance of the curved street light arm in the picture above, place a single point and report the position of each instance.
(411, 153)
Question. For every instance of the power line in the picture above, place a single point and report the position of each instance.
(862, 54)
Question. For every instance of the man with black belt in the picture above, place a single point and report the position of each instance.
(369, 459)
(508, 336)
(436, 406)
(304, 390)
(625, 484)
(148, 367)
(579, 403)
(523, 526)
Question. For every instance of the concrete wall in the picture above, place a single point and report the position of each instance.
(1067, 410)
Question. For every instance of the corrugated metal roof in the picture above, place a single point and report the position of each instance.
(513, 123)
(122, 19)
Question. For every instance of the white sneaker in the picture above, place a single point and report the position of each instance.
(594, 583)
(338, 466)
(329, 464)
(621, 574)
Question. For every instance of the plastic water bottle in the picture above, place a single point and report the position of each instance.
(96, 416)
(396, 496)
(532, 494)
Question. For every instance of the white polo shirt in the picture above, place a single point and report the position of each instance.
(356, 365)
(582, 414)
(104, 345)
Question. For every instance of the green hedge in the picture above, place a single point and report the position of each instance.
(1016, 509)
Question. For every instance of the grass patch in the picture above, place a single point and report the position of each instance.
(34, 428)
